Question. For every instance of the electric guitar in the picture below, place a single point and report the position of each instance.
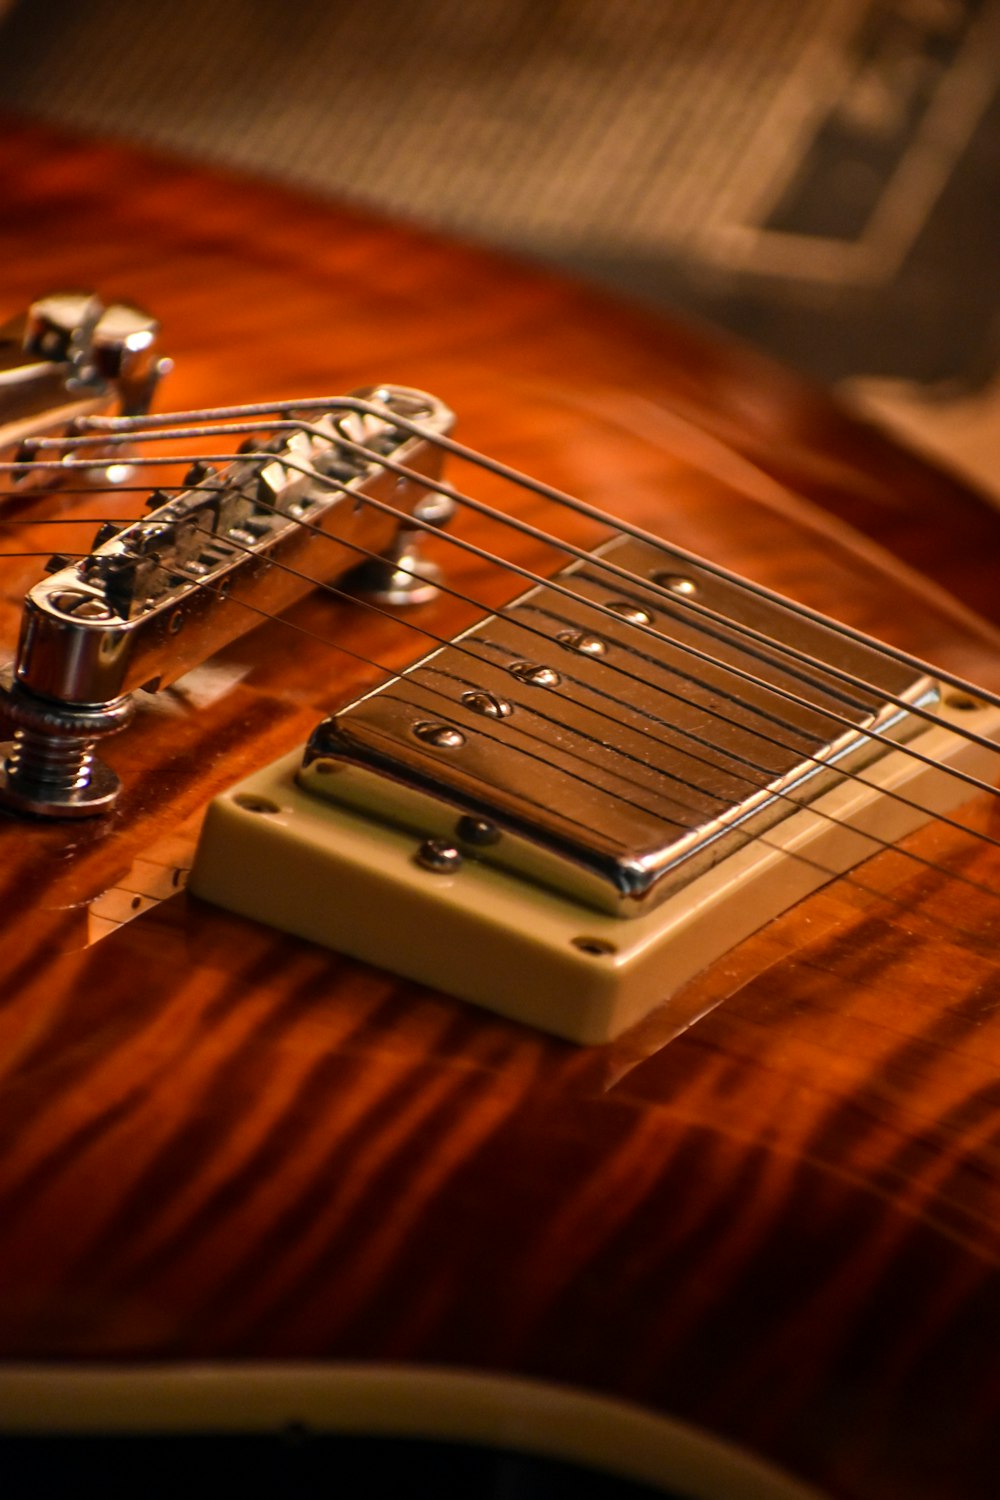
(226, 1144)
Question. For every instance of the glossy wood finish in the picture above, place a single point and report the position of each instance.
(220, 1143)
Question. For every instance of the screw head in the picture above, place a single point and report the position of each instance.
(479, 832)
(325, 767)
(441, 736)
(491, 705)
(595, 946)
(630, 612)
(535, 674)
(583, 642)
(676, 583)
(434, 509)
(438, 856)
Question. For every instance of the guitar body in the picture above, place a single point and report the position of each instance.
(220, 1143)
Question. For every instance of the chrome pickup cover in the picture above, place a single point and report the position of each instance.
(615, 744)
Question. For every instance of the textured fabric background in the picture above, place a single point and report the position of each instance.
(820, 174)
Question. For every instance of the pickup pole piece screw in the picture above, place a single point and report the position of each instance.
(630, 612)
(676, 583)
(534, 674)
(443, 736)
(582, 641)
(489, 704)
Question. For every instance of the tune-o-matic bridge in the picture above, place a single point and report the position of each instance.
(302, 506)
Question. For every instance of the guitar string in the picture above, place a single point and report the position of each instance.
(821, 762)
(422, 479)
(758, 785)
(697, 788)
(265, 457)
(672, 601)
(868, 731)
(534, 579)
(764, 784)
(949, 928)
(734, 834)
(366, 455)
(125, 427)
(394, 675)
(730, 627)
(686, 603)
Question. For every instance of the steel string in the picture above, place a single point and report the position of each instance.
(382, 415)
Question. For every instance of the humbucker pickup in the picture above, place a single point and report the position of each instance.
(614, 743)
(571, 809)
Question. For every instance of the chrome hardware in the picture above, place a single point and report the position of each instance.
(49, 768)
(69, 357)
(635, 771)
(630, 612)
(439, 857)
(582, 641)
(124, 344)
(161, 595)
(404, 575)
(479, 832)
(675, 583)
(59, 328)
(534, 674)
(490, 705)
(442, 736)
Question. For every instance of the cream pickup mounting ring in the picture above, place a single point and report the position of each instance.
(637, 811)
(279, 854)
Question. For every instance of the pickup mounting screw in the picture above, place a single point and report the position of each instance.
(597, 947)
(438, 856)
(477, 831)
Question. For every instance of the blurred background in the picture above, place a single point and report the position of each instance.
(821, 176)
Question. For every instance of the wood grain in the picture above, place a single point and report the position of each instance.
(219, 1142)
